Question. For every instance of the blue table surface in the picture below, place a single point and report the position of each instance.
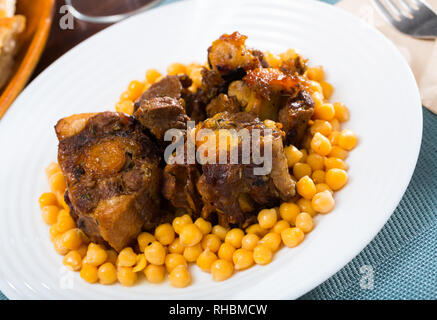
(401, 262)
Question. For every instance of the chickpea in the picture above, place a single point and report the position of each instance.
(204, 226)
(154, 273)
(249, 241)
(323, 202)
(211, 242)
(234, 237)
(316, 73)
(144, 239)
(51, 169)
(256, 229)
(89, 273)
(316, 161)
(190, 235)
(176, 246)
(57, 183)
(320, 187)
(318, 176)
(50, 214)
(292, 237)
(301, 169)
(325, 111)
(135, 89)
(220, 232)
(180, 277)
(280, 225)
(272, 240)
(304, 222)
(322, 126)
(165, 234)
(242, 259)
(205, 260)
(306, 206)
(336, 178)
(221, 270)
(126, 276)
(226, 251)
(306, 187)
(127, 258)
(304, 155)
(176, 68)
(125, 106)
(65, 222)
(155, 253)
(192, 253)
(58, 243)
(72, 239)
(333, 138)
(73, 260)
(107, 273)
(95, 255)
(321, 145)
(336, 126)
(338, 152)
(327, 88)
(289, 211)
(141, 263)
(262, 254)
(82, 250)
(267, 218)
(293, 155)
(347, 140)
(152, 75)
(341, 112)
(179, 222)
(173, 260)
(335, 163)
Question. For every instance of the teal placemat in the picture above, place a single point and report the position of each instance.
(401, 262)
(403, 256)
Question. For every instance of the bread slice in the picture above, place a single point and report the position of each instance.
(10, 28)
(7, 8)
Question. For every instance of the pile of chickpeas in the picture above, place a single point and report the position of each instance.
(319, 170)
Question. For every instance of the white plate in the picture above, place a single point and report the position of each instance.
(369, 74)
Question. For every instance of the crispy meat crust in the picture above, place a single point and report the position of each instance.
(113, 180)
(229, 53)
(222, 186)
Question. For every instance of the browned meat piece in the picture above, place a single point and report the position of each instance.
(294, 117)
(169, 86)
(222, 103)
(179, 187)
(268, 82)
(229, 60)
(229, 53)
(260, 55)
(113, 180)
(275, 95)
(212, 85)
(263, 91)
(295, 65)
(161, 114)
(233, 191)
